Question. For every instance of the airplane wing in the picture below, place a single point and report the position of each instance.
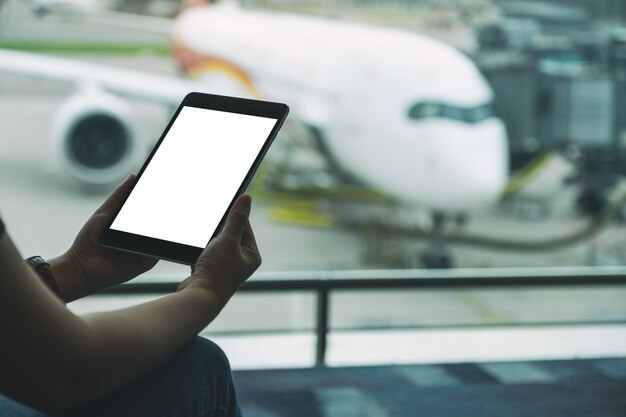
(148, 24)
(135, 84)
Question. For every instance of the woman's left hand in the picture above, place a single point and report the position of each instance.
(87, 267)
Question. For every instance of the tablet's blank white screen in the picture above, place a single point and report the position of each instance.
(193, 176)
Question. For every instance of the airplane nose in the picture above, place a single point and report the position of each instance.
(473, 168)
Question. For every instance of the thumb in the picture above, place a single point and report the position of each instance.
(237, 219)
(116, 198)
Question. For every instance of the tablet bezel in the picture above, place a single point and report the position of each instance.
(177, 252)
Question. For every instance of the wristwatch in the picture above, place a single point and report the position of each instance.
(42, 268)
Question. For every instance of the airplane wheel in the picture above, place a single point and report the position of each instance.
(591, 202)
(436, 259)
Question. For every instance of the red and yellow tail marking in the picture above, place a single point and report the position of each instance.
(194, 64)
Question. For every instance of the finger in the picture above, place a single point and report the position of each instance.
(117, 197)
(248, 240)
(237, 219)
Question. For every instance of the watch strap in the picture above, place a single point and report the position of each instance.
(42, 268)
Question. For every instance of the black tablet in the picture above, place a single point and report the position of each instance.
(203, 161)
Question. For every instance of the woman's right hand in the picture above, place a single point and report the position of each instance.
(229, 259)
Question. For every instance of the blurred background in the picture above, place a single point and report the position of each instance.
(425, 135)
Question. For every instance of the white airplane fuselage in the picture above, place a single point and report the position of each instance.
(404, 113)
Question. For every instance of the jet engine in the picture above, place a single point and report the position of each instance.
(93, 137)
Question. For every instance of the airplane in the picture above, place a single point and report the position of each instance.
(395, 110)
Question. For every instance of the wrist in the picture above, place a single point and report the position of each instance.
(208, 294)
(44, 271)
(68, 278)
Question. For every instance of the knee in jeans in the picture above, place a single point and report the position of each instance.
(207, 353)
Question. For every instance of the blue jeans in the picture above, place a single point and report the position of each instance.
(195, 382)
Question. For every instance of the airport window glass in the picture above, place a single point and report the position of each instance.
(347, 184)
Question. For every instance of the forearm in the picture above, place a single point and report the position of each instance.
(55, 360)
(129, 343)
(101, 353)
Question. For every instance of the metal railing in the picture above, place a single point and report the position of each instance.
(325, 282)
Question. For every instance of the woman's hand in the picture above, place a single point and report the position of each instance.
(87, 267)
(230, 258)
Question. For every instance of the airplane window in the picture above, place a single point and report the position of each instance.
(434, 110)
(480, 113)
(425, 110)
(417, 112)
(455, 113)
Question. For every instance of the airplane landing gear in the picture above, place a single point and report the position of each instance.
(436, 258)
(590, 202)
(436, 255)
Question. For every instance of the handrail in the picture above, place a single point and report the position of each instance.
(323, 282)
